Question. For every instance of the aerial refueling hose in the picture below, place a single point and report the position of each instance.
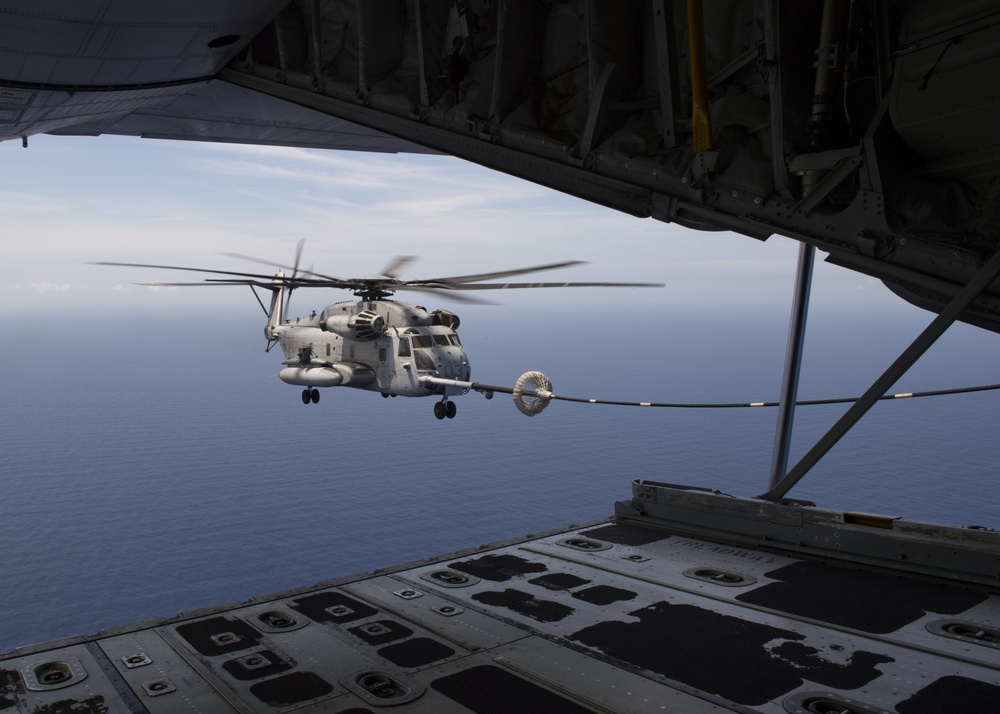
(545, 394)
(538, 393)
(533, 391)
(804, 402)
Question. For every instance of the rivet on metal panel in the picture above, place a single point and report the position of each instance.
(448, 610)
(340, 610)
(158, 687)
(720, 577)
(225, 638)
(584, 544)
(450, 578)
(277, 619)
(136, 660)
(823, 703)
(254, 661)
(52, 674)
(380, 688)
(966, 631)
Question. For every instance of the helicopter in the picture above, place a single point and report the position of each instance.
(376, 343)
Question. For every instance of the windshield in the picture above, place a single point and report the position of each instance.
(423, 361)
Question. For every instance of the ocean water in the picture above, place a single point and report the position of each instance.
(152, 464)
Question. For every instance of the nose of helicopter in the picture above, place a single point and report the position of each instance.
(454, 364)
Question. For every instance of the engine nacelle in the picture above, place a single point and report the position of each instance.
(365, 325)
(446, 318)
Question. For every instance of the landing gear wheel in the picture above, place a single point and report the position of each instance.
(314, 396)
(450, 410)
(439, 410)
(385, 395)
(305, 396)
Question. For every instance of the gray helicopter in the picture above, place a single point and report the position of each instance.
(375, 343)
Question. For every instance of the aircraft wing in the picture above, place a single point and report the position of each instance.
(868, 131)
(218, 111)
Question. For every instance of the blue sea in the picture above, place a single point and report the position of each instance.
(153, 463)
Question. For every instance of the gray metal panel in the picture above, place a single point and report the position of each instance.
(939, 96)
(598, 616)
(107, 43)
(211, 111)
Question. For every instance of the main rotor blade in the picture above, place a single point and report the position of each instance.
(180, 267)
(445, 294)
(393, 269)
(295, 273)
(213, 283)
(264, 281)
(298, 257)
(308, 283)
(523, 286)
(501, 274)
(250, 258)
(294, 268)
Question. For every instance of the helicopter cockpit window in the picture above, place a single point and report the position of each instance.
(404, 348)
(441, 340)
(454, 340)
(423, 341)
(423, 360)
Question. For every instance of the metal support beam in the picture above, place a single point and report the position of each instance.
(594, 112)
(366, 29)
(316, 42)
(593, 46)
(666, 69)
(826, 183)
(701, 117)
(793, 363)
(986, 275)
(497, 104)
(418, 27)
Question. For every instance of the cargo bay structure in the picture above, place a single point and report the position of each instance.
(865, 129)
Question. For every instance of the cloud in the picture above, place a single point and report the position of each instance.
(369, 178)
(435, 205)
(169, 203)
(23, 203)
(256, 170)
(50, 287)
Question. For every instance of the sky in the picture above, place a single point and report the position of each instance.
(66, 201)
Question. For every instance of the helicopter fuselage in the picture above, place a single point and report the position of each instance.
(378, 345)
